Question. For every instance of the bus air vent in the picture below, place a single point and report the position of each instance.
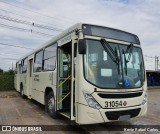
(114, 115)
(120, 96)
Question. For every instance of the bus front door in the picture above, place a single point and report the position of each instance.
(64, 80)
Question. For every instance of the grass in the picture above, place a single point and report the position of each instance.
(6, 82)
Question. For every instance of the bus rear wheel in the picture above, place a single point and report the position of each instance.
(22, 91)
(51, 106)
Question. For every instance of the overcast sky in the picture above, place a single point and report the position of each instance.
(51, 17)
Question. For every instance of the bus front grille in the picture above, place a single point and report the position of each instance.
(114, 115)
(120, 96)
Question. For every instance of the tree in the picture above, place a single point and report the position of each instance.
(10, 71)
(1, 71)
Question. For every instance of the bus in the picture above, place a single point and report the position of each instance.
(88, 73)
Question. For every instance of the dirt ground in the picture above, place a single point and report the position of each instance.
(17, 111)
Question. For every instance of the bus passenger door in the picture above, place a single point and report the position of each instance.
(64, 79)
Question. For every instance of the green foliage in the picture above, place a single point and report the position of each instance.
(9, 72)
(6, 81)
(1, 71)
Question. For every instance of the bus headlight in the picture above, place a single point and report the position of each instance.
(91, 101)
(145, 98)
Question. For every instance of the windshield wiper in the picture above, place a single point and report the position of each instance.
(112, 54)
(129, 51)
(117, 61)
(125, 62)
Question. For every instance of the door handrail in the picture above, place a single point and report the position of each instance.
(64, 97)
(64, 81)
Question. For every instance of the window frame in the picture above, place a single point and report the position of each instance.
(50, 57)
(16, 68)
(22, 67)
(35, 60)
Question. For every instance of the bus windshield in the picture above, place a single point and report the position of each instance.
(118, 66)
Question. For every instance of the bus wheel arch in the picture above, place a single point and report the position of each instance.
(50, 105)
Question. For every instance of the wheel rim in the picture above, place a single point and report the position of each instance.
(51, 104)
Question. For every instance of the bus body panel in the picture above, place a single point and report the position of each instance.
(15, 81)
(84, 109)
(41, 81)
(23, 81)
(18, 77)
(88, 115)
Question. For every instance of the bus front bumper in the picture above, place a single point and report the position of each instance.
(88, 115)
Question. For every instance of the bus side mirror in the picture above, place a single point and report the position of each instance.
(81, 46)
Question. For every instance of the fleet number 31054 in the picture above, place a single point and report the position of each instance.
(112, 104)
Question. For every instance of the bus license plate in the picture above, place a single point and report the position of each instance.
(114, 104)
(124, 117)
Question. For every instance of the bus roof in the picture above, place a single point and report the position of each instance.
(54, 39)
(64, 33)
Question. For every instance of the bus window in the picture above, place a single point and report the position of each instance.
(50, 57)
(38, 61)
(16, 68)
(65, 63)
(24, 66)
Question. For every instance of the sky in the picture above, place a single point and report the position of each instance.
(27, 24)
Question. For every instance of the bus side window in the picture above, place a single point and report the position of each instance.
(24, 66)
(64, 72)
(50, 58)
(16, 68)
(38, 61)
(65, 60)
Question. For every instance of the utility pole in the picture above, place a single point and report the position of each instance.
(12, 66)
(156, 63)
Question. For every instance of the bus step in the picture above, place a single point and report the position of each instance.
(66, 114)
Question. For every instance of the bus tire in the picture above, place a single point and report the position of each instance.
(51, 106)
(22, 91)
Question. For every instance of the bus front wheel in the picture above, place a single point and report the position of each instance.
(51, 105)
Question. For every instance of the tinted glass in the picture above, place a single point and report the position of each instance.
(24, 66)
(38, 61)
(102, 71)
(50, 57)
(110, 33)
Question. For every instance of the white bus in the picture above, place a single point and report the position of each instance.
(90, 74)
